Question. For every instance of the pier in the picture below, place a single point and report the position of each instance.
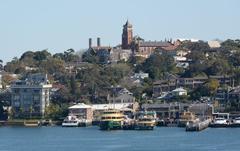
(198, 125)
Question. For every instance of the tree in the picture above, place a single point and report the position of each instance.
(3, 113)
(157, 64)
(62, 96)
(89, 57)
(13, 65)
(219, 67)
(5, 98)
(41, 55)
(231, 44)
(52, 66)
(70, 56)
(59, 56)
(199, 92)
(199, 46)
(212, 86)
(56, 112)
(73, 86)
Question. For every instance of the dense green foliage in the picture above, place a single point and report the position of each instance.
(156, 65)
(89, 82)
(3, 113)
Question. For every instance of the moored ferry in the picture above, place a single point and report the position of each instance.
(186, 117)
(111, 119)
(145, 120)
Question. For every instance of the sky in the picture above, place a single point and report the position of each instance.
(57, 25)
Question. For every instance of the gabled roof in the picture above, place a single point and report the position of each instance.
(154, 44)
(80, 106)
(128, 24)
(179, 90)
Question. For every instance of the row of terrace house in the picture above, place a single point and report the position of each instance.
(120, 95)
(173, 110)
(172, 82)
(227, 95)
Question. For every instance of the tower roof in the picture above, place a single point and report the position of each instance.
(128, 24)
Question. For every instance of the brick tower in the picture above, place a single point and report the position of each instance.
(127, 35)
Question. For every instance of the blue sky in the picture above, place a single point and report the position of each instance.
(57, 25)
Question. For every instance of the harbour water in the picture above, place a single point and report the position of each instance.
(92, 139)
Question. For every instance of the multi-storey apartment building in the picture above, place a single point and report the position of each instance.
(30, 96)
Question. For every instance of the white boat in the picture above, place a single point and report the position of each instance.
(219, 122)
(71, 121)
(236, 122)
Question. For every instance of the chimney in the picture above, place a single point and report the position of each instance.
(90, 42)
(98, 42)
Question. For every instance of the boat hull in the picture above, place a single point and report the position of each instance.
(70, 124)
(140, 127)
(110, 125)
(213, 125)
(235, 125)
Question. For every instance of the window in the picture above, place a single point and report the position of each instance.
(36, 90)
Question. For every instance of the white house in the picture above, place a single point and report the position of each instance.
(179, 92)
(214, 44)
(140, 75)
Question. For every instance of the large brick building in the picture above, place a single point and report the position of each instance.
(143, 48)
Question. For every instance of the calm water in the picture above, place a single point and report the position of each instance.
(92, 139)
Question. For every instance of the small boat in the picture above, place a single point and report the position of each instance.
(71, 121)
(111, 119)
(128, 123)
(235, 122)
(145, 120)
(31, 123)
(219, 122)
(46, 123)
(161, 122)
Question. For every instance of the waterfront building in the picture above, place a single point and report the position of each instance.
(166, 110)
(82, 111)
(126, 108)
(201, 109)
(93, 112)
(30, 96)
